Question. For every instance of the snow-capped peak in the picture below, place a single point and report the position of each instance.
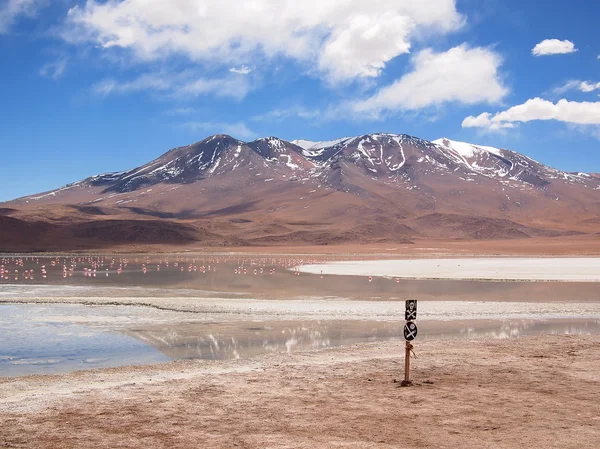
(466, 149)
(308, 145)
(305, 144)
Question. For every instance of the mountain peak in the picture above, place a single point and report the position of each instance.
(398, 160)
(466, 149)
(225, 138)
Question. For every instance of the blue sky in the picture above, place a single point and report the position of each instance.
(89, 87)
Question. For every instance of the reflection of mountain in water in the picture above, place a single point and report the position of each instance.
(221, 341)
(235, 340)
(519, 328)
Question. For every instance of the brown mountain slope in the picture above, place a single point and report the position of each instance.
(375, 188)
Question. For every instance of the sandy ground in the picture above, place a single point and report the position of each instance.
(517, 393)
(550, 247)
(580, 245)
(525, 269)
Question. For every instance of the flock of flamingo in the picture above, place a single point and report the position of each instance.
(30, 268)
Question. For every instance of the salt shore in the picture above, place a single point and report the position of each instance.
(514, 269)
(231, 309)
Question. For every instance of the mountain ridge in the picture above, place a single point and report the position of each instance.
(309, 150)
(370, 188)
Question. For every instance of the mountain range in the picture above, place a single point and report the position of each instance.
(375, 188)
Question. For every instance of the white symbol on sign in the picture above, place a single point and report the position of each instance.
(411, 310)
(410, 331)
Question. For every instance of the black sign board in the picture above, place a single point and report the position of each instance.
(411, 310)
(410, 331)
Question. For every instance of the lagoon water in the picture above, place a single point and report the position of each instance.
(58, 338)
(244, 306)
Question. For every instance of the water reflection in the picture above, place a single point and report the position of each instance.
(514, 328)
(50, 339)
(47, 339)
(221, 341)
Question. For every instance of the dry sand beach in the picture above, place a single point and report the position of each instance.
(521, 393)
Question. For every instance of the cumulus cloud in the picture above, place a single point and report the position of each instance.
(572, 112)
(485, 121)
(10, 10)
(341, 39)
(177, 85)
(462, 74)
(238, 130)
(553, 47)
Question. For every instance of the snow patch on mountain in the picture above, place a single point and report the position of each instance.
(305, 144)
(466, 149)
(313, 146)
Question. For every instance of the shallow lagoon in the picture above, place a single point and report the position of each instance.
(58, 338)
(269, 278)
(246, 306)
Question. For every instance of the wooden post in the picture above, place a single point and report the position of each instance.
(406, 382)
(407, 363)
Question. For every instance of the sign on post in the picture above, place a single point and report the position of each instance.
(410, 333)
(411, 310)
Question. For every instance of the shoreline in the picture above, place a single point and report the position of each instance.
(335, 309)
(523, 392)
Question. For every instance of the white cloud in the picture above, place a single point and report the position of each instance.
(553, 47)
(567, 87)
(55, 69)
(582, 86)
(461, 74)
(279, 115)
(238, 130)
(586, 86)
(572, 112)
(178, 85)
(365, 45)
(341, 39)
(243, 70)
(10, 10)
(484, 121)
